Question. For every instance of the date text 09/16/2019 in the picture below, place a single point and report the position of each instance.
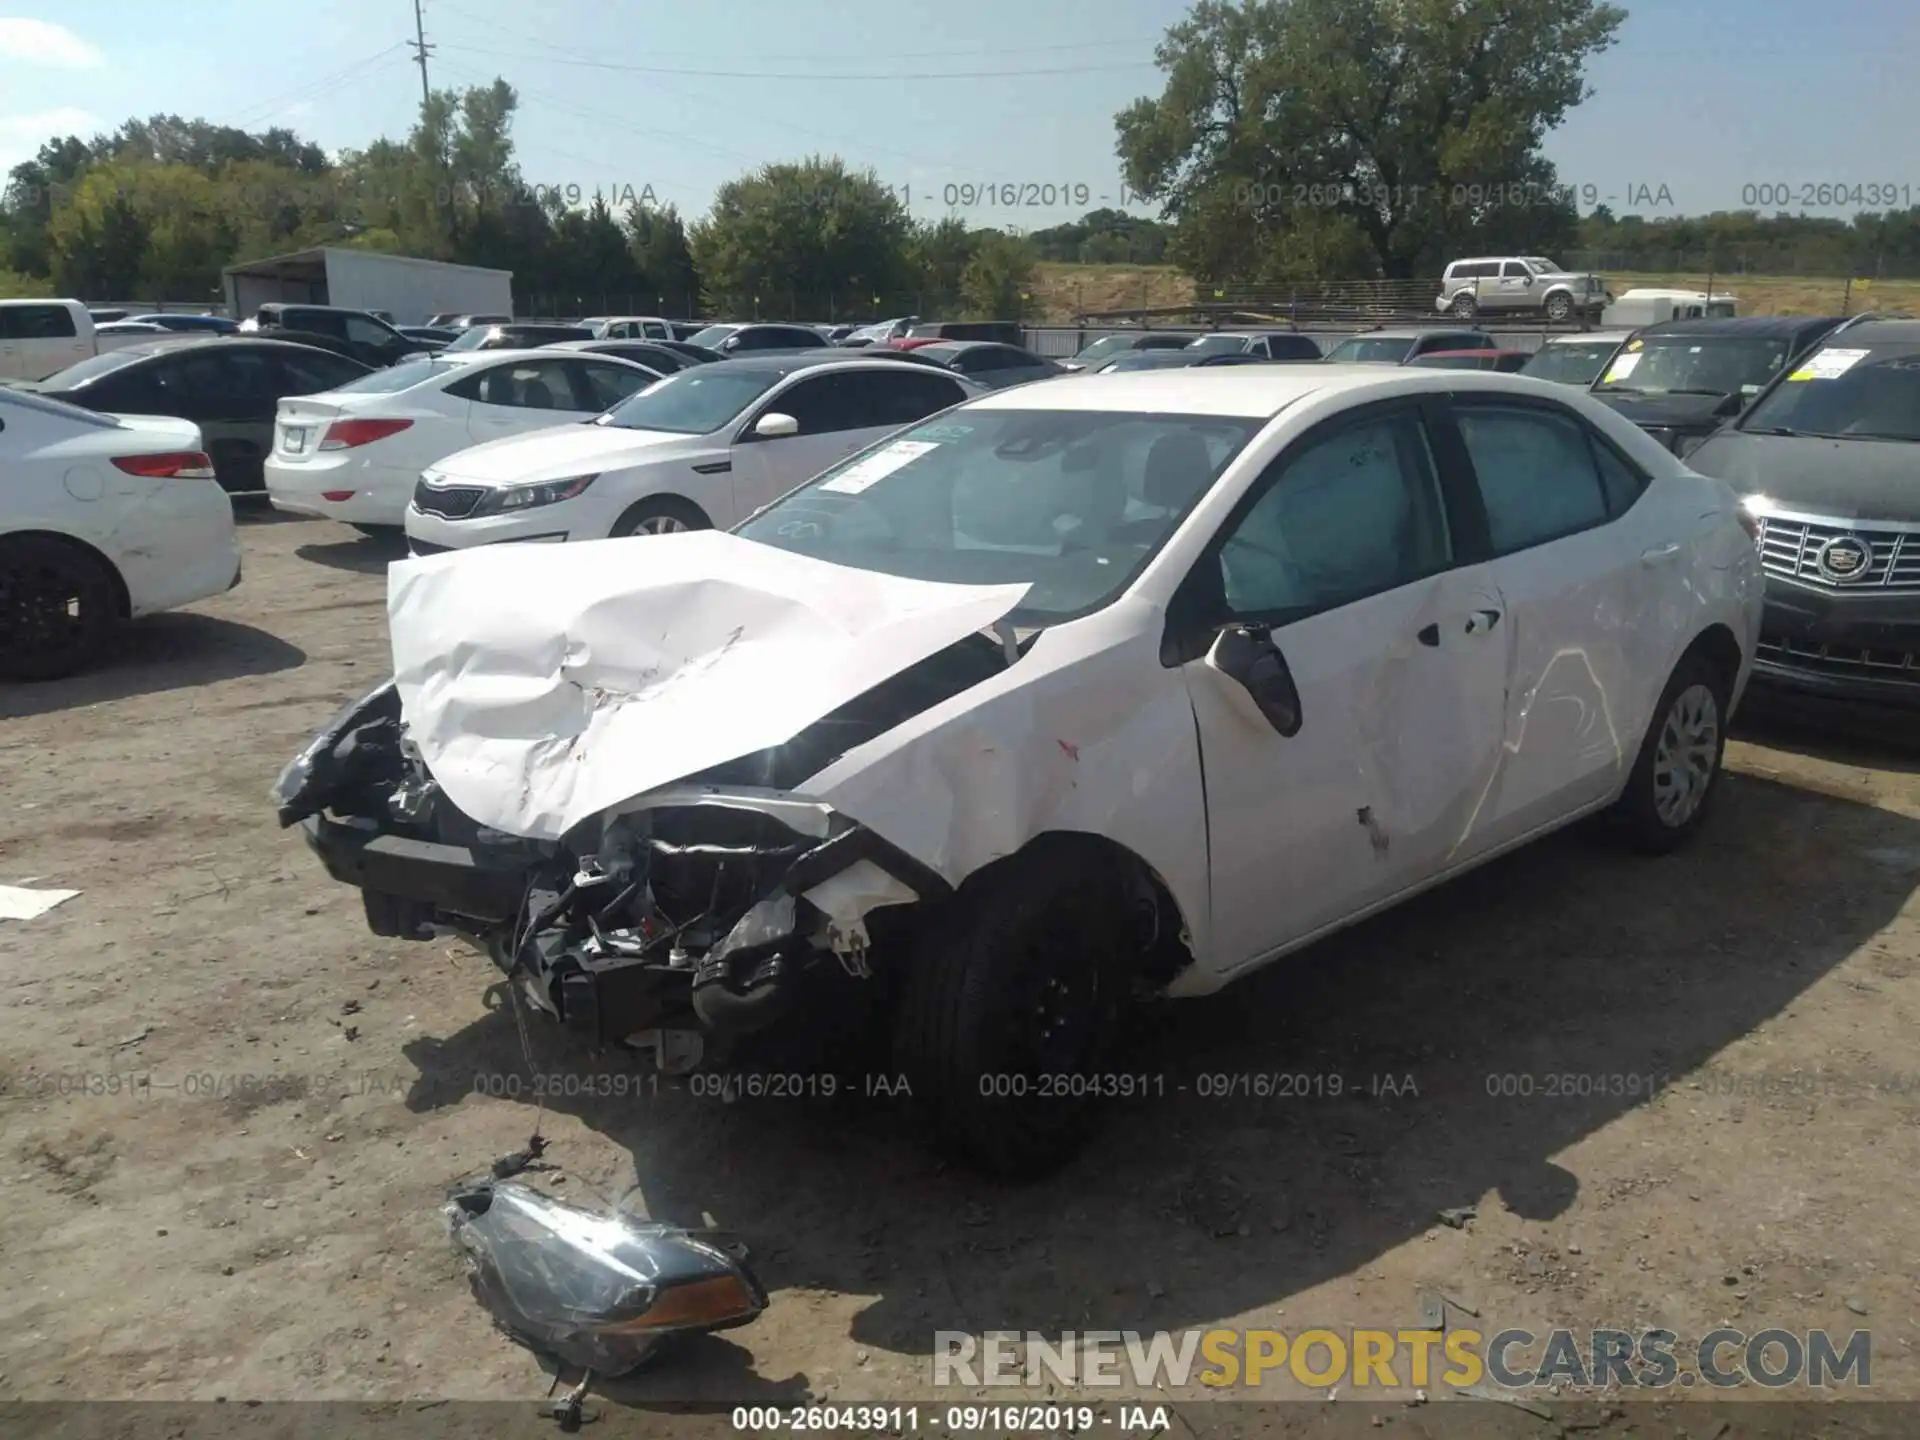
(894, 1420)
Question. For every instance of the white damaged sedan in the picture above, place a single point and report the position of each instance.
(1061, 697)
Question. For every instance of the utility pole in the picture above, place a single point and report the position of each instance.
(421, 51)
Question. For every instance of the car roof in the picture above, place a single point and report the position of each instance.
(1412, 333)
(789, 361)
(1775, 327)
(1246, 391)
(1885, 332)
(1477, 354)
(954, 347)
(175, 341)
(1591, 337)
(512, 352)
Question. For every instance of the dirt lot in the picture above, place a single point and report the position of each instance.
(269, 1230)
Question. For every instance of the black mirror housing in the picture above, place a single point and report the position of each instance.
(1247, 654)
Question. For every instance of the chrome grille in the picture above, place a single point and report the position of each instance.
(1790, 548)
(449, 502)
(1826, 658)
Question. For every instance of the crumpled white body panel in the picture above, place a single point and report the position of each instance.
(544, 684)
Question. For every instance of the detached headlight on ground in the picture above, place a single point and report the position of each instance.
(509, 498)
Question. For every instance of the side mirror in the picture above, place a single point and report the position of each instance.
(775, 426)
(1246, 654)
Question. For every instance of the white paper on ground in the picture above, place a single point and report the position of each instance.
(17, 902)
(544, 684)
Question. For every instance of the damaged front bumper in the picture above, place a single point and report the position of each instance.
(698, 910)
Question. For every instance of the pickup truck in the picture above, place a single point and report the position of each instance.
(38, 337)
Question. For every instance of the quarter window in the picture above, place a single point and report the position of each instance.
(1538, 475)
(1354, 513)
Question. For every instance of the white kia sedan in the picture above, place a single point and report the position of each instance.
(354, 454)
(102, 518)
(1067, 694)
(702, 448)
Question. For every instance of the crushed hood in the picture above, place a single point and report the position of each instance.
(545, 683)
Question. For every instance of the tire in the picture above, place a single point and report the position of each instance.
(661, 515)
(1651, 814)
(1559, 308)
(59, 606)
(1016, 994)
(1464, 306)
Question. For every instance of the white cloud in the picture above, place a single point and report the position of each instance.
(41, 42)
(21, 136)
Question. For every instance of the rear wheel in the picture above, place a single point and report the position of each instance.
(1465, 306)
(58, 607)
(661, 515)
(1678, 769)
(1011, 1004)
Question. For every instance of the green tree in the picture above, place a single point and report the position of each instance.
(938, 256)
(803, 240)
(662, 259)
(1394, 130)
(998, 284)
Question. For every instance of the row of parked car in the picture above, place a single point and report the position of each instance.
(624, 425)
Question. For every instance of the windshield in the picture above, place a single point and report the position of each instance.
(1543, 266)
(1373, 351)
(693, 402)
(92, 368)
(1219, 344)
(1074, 502)
(1694, 364)
(1105, 349)
(400, 377)
(1852, 393)
(1149, 360)
(711, 336)
(1571, 363)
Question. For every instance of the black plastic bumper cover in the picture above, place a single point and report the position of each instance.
(449, 878)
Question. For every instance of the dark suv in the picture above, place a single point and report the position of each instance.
(1827, 459)
(364, 337)
(1682, 380)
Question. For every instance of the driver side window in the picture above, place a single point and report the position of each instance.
(1352, 513)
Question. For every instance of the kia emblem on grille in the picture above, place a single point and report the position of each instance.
(1844, 558)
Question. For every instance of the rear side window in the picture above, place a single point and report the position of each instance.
(886, 399)
(311, 374)
(36, 322)
(1538, 474)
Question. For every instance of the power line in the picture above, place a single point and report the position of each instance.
(264, 109)
(815, 75)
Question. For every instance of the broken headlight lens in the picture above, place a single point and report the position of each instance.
(509, 498)
(296, 794)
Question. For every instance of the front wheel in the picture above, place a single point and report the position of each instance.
(662, 515)
(58, 608)
(1011, 1004)
(1678, 768)
(1559, 308)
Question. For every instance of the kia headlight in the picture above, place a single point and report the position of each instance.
(509, 498)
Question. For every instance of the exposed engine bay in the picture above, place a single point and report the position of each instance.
(695, 913)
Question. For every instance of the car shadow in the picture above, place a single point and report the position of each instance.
(1873, 736)
(1291, 1129)
(170, 651)
(254, 508)
(362, 554)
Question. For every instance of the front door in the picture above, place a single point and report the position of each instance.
(765, 467)
(1344, 554)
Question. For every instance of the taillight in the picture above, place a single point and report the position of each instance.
(169, 465)
(348, 434)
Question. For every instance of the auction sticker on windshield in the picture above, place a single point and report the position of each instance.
(876, 467)
(1621, 368)
(1829, 365)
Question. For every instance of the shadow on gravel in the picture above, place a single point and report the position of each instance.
(255, 509)
(171, 651)
(1288, 1131)
(362, 554)
(1876, 737)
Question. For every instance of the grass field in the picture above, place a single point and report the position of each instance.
(1064, 291)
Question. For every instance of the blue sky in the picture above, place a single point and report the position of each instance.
(1700, 97)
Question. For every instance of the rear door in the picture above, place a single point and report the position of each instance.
(1585, 577)
(598, 386)
(514, 396)
(229, 391)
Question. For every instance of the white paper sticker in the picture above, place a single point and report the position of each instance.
(1830, 364)
(1621, 368)
(877, 466)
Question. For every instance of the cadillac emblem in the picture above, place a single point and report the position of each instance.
(1844, 558)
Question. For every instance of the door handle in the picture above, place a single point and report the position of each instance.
(1429, 636)
(1480, 622)
(1659, 554)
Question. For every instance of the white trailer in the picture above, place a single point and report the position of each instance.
(404, 286)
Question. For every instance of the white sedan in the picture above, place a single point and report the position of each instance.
(102, 518)
(354, 454)
(1070, 693)
(702, 448)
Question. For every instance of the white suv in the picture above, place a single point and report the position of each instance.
(1519, 282)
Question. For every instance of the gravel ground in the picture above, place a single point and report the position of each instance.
(230, 1112)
